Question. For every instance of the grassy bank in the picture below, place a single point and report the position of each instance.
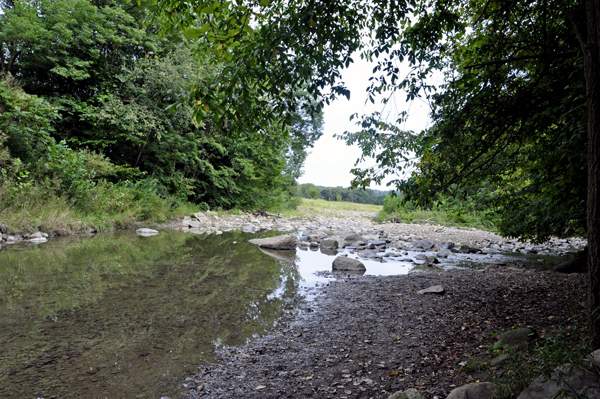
(105, 206)
(329, 208)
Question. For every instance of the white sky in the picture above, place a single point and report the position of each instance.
(330, 160)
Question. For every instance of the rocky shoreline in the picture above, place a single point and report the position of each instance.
(396, 235)
(339, 225)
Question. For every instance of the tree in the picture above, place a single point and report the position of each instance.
(117, 87)
(519, 76)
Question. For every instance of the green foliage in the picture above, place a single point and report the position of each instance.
(121, 113)
(446, 211)
(25, 124)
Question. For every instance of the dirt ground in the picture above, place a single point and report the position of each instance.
(368, 337)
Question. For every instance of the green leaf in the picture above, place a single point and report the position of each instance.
(193, 33)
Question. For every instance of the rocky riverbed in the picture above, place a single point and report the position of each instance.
(341, 224)
(373, 336)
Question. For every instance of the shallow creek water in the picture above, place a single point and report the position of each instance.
(123, 316)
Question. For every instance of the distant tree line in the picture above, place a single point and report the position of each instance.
(351, 194)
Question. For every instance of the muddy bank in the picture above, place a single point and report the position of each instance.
(368, 337)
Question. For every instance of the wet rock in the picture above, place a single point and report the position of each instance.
(327, 251)
(421, 257)
(435, 289)
(314, 238)
(479, 390)
(447, 245)
(353, 238)
(377, 243)
(249, 228)
(343, 263)
(442, 255)
(519, 338)
(367, 254)
(329, 244)
(278, 242)
(468, 249)
(425, 244)
(146, 232)
(408, 394)
(314, 244)
(570, 379)
(432, 260)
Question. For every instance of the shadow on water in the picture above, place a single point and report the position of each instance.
(120, 316)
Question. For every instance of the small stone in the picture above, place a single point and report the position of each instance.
(146, 232)
(436, 289)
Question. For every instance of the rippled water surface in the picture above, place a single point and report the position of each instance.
(123, 316)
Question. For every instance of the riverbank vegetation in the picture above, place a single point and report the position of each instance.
(96, 127)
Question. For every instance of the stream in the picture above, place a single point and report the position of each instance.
(123, 316)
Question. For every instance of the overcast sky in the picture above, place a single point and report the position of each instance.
(330, 161)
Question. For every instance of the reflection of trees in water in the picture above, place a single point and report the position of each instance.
(158, 302)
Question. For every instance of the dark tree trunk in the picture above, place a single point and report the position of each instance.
(592, 81)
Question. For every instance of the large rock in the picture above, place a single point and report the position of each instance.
(278, 242)
(468, 249)
(352, 238)
(447, 245)
(367, 254)
(425, 244)
(342, 263)
(408, 394)
(329, 244)
(476, 390)
(519, 338)
(568, 378)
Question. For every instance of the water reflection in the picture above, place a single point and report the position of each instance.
(121, 315)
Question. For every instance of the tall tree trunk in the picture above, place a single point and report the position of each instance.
(592, 81)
